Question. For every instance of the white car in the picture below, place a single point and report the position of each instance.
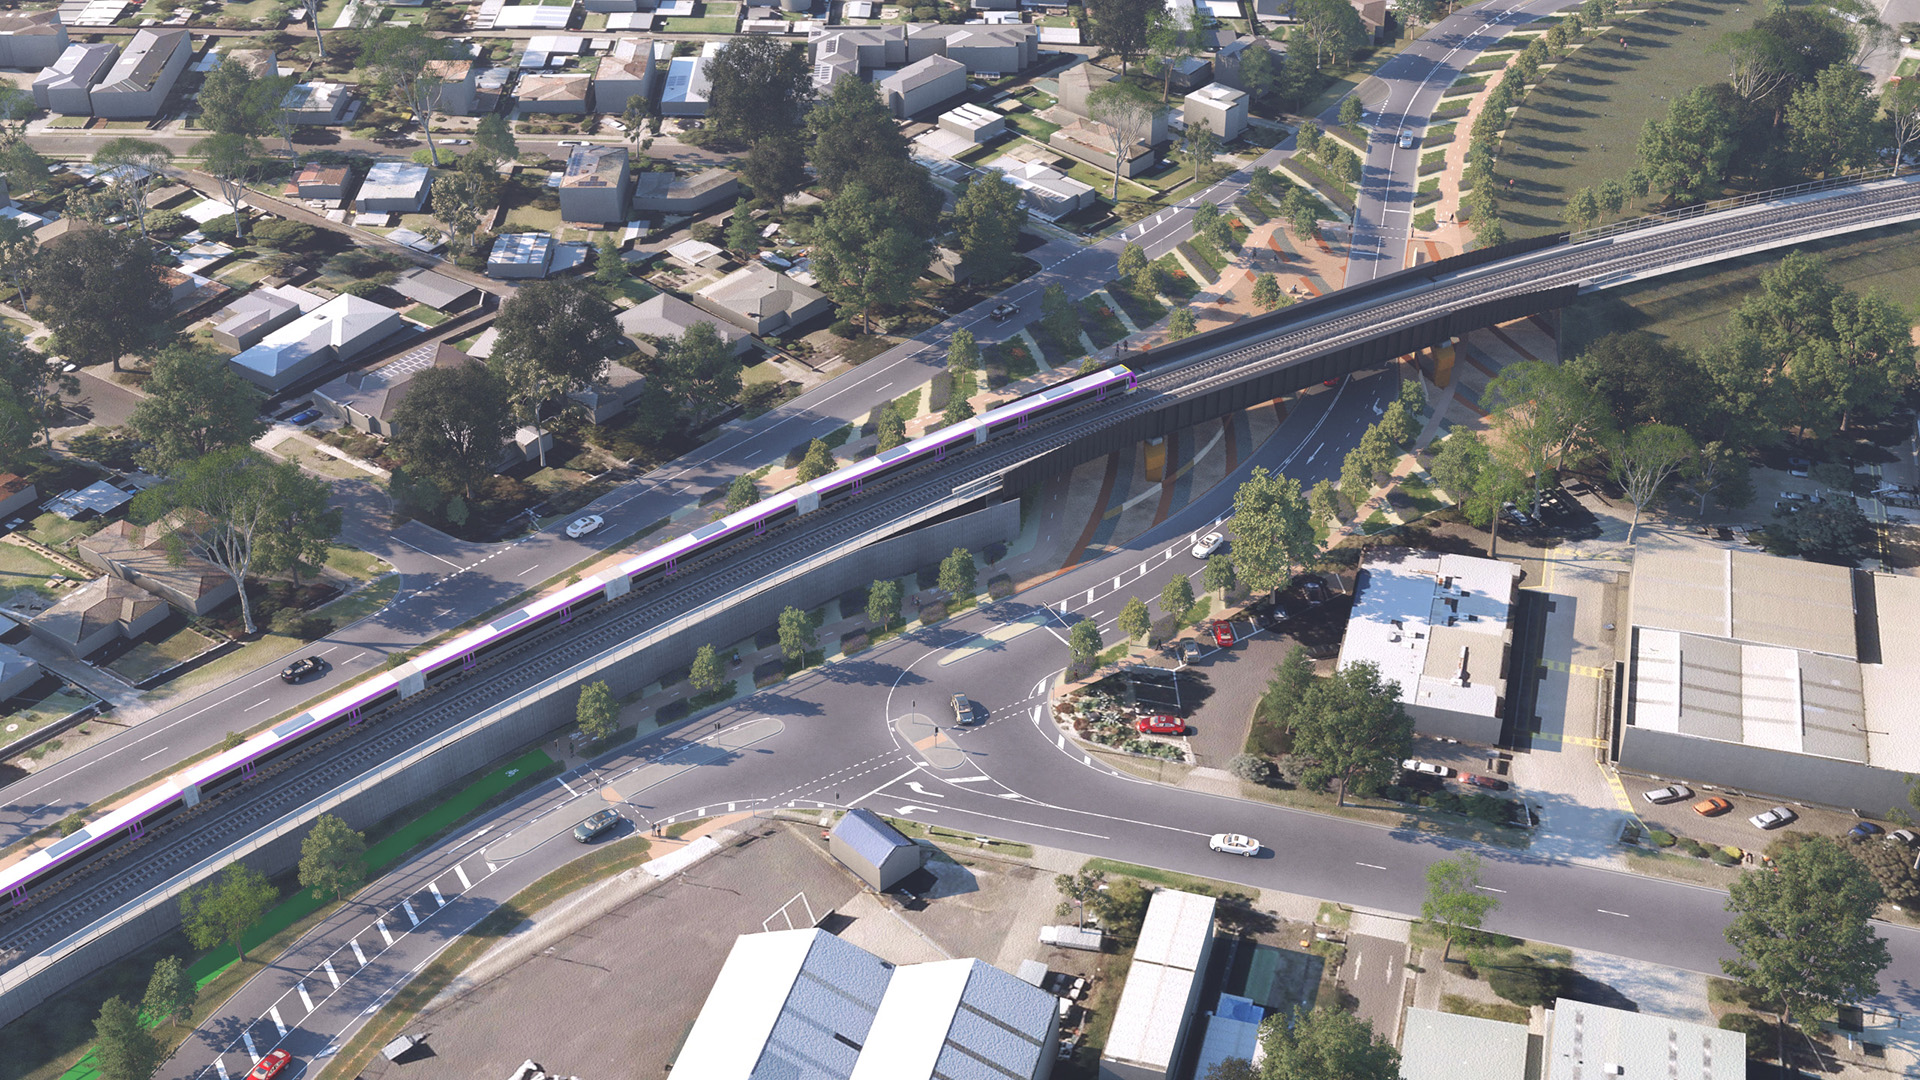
(1428, 768)
(1208, 544)
(455, 142)
(585, 525)
(1234, 844)
(1774, 818)
(1406, 142)
(1670, 793)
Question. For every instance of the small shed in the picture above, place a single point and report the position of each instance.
(875, 851)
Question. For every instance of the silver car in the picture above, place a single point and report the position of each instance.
(1774, 818)
(1670, 793)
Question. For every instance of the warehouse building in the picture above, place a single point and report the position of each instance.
(1163, 988)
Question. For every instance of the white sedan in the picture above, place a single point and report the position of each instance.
(1428, 768)
(1234, 844)
(585, 525)
(1208, 544)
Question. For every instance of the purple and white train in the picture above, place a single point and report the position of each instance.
(187, 787)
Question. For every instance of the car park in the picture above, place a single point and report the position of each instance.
(1222, 632)
(301, 668)
(1267, 616)
(1160, 725)
(303, 417)
(1003, 312)
(1713, 807)
(1670, 793)
(591, 829)
(1428, 768)
(585, 525)
(1773, 819)
(270, 1066)
(1491, 783)
(962, 709)
(1865, 829)
(1208, 545)
(1234, 844)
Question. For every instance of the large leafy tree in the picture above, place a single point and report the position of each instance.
(987, 219)
(100, 292)
(1353, 728)
(1467, 470)
(1122, 26)
(195, 405)
(1128, 113)
(798, 635)
(451, 425)
(883, 601)
(493, 140)
(776, 167)
(221, 911)
(171, 993)
(1834, 531)
(1333, 27)
(404, 61)
(854, 138)
(1541, 415)
(1830, 122)
(1325, 1044)
(555, 337)
(1644, 459)
(1271, 530)
(1455, 900)
(1686, 153)
(1643, 378)
(332, 858)
(862, 257)
(134, 164)
(125, 1049)
(760, 88)
(234, 101)
(33, 382)
(464, 197)
(232, 158)
(1172, 38)
(598, 712)
(698, 371)
(1803, 935)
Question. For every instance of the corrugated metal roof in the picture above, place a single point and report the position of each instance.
(1176, 929)
(871, 838)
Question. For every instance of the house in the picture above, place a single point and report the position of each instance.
(1373, 16)
(18, 672)
(923, 85)
(316, 103)
(1232, 1030)
(490, 89)
(53, 232)
(1162, 989)
(1092, 142)
(1771, 675)
(367, 400)
(241, 324)
(687, 83)
(559, 93)
(322, 183)
(1635, 1044)
(1049, 193)
(31, 40)
(520, 255)
(670, 193)
(617, 388)
(762, 301)
(804, 1003)
(1218, 107)
(846, 51)
(17, 493)
(97, 614)
(137, 85)
(991, 50)
(875, 851)
(631, 70)
(459, 81)
(974, 123)
(437, 291)
(141, 556)
(664, 317)
(594, 189)
(338, 330)
(1077, 85)
(394, 187)
(1189, 73)
(1438, 625)
(187, 291)
(66, 86)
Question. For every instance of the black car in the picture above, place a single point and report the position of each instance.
(300, 669)
(589, 830)
(1003, 312)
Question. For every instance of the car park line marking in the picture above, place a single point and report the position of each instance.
(327, 966)
(357, 954)
(247, 1036)
(384, 932)
(273, 1014)
(462, 874)
(221, 1065)
(438, 900)
(960, 780)
(304, 999)
(1618, 914)
(492, 868)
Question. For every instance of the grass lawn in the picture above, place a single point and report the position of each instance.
(41, 706)
(1909, 66)
(1030, 125)
(245, 274)
(1100, 323)
(1175, 282)
(960, 839)
(150, 658)
(356, 563)
(21, 568)
(1419, 499)
(683, 25)
(53, 530)
(1692, 306)
(1424, 220)
(763, 372)
(69, 121)
(637, 291)
(528, 219)
(1580, 125)
(1142, 309)
(1170, 879)
(425, 315)
(1011, 357)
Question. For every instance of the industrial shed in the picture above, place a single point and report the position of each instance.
(875, 851)
(1163, 988)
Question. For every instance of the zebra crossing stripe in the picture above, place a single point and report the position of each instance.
(247, 1037)
(274, 1015)
(327, 966)
(221, 1065)
(384, 932)
(461, 871)
(438, 900)
(304, 999)
(357, 954)
(408, 905)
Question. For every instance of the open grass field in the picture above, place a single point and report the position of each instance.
(1692, 306)
(1580, 125)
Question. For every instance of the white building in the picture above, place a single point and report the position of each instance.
(1049, 193)
(1219, 107)
(685, 93)
(394, 187)
(317, 103)
(974, 123)
(1163, 988)
(923, 85)
(520, 255)
(30, 40)
(340, 329)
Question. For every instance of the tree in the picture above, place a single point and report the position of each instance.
(963, 353)
(33, 384)
(1901, 101)
(958, 578)
(1890, 866)
(555, 337)
(1583, 209)
(303, 525)
(332, 858)
(1455, 901)
(131, 165)
(1181, 324)
(987, 219)
(1083, 642)
(862, 257)
(708, 672)
(883, 601)
(451, 425)
(17, 429)
(775, 167)
(1172, 37)
(1134, 621)
(1323, 505)
(1541, 413)
(1686, 153)
(1353, 728)
(1643, 461)
(760, 87)
(126, 1050)
(1266, 292)
(1758, 62)
(232, 159)
(817, 463)
(409, 64)
(1398, 425)
(609, 270)
(1830, 123)
(493, 140)
(221, 911)
(1134, 268)
(463, 197)
(101, 296)
(1325, 1044)
(598, 712)
(1058, 315)
(1128, 114)
(854, 137)
(797, 634)
(232, 100)
(742, 237)
(1176, 597)
(1803, 936)
(1642, 378)
(1218, 575)
(1235, 1068)
(698, 371)
(742, 493)
(1121, 26)
(1834, 531)
(1271, 531)
(1303, 213)
(1259, 72)
(1332, 26)
(171, 993)
(893, 429)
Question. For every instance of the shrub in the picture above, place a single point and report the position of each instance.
(1723, 857)
(1660, 838)
(222, 229)
(1528, 982)
(933, 613)
(166, 222)
(1251, 768)
(845, 328)
(1695, 848)
(1290, 770)
(999, 587)
(290, 622)
(1755, 1029)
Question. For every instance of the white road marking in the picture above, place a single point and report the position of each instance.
(257, 704)
(918, 790)
(918, 809)
(384, 932)
(247, 1037)
(304, 999)
(465, 883)
(221, 1065)
(491, 868)
(156, 753)
(357, 954)
(1489, 888)
(1369, 866)
(274, 1015)
(408, 906)
(327, 966)
(438, 900)
(1617, 914)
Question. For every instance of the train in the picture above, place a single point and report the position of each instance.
(357, 703)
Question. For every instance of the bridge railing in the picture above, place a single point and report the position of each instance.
(1683, 213)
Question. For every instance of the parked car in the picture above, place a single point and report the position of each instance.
(585, 525)
(1160, 725)
(1798, 497)
(1208, 544)
(1222, 632)
(1773, 819)
(1798, 466)
(1491, 783)
(1670, 793)
(1003, 312)
(1267, 616)
(1312, 587)
(1428, 768)
(1190, 650)
(1783, 507)
(301, 668)
(1234, 844)
(1905, 836)
(589, 830)
(1865, 829)
(1713, 807)
(303, 417)
(271, 1065)
(962, 709)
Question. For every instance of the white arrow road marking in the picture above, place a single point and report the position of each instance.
(304, 999)
(327, 966)
(918, 790)
(465, 882)
(919, 809)
(357, 954)
(438, 900)
(247, 1037)
(492, 868)
(274, 1015)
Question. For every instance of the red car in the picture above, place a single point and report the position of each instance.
(1488, 782)
(1161, 725)
(270, 1065)
(1222, 633)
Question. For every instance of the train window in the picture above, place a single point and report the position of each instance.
(509, 619)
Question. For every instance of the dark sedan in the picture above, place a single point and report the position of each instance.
(302, 668)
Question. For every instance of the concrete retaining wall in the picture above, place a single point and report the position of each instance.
(1760, 771)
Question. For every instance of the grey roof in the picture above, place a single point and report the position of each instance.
(667, 316)
(759, 292)
(871, 838)
(1639, 1044)
(431, 289)
(13, 662)
(1445, 1046)
(1746, 596)
(920, 73)
(255, 309)
(80, 64)
(394, 180)
(146, 57)
(378, 392)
